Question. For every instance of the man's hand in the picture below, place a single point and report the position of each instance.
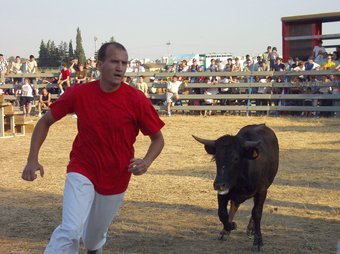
(29, 171)
(138, 166)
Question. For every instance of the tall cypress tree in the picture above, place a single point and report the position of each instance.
(79, 53)
(43, 55)
(70, 51)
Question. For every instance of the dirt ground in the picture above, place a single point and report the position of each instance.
(172, 209)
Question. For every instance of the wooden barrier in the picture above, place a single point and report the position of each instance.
(247, 100)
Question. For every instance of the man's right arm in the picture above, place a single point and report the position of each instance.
(38, 137)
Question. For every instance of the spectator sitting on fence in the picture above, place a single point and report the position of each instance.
(184, 66)
(44, 101)
(329, 64)
(310, 65)
(263, 66)
(142, 86)
(138, 67)
(16, 68)
(3, 68)
(64, 78)
(229, 68)
(31, 65)
(93, 71)
(171, 94)
(194, 65)
(237, 67)
(298, 68)
(258, 63)
(74, 67)
(246, 61)
(212, 67)
(219, 65)
(81, 75)
(279, 65)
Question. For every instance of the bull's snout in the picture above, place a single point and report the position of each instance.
(221, 188)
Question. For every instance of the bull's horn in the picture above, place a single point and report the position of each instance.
(205, 141)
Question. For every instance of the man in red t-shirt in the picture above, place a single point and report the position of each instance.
(64, 78)
(102, 156)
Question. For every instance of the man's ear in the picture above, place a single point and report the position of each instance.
(210, 149)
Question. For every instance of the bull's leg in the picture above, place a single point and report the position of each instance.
(223, 215)
(257, 215)
(232, 212)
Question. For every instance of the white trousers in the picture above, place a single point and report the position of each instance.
(86, 216)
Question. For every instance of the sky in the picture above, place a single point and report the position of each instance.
(145, 27)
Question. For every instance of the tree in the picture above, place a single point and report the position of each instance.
(112, 39)
(43, 55)
(79, 53)
(70, 51)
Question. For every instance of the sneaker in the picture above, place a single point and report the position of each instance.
(169, 113)
(74, 116)
(61, 92)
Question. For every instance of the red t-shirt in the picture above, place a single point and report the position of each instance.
(108, 124)
(65, 74)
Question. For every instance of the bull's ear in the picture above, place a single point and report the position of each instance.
(251, 151)
(209, 145)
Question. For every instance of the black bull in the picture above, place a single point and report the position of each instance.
(246, 166)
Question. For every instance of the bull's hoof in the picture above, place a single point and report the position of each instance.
(223, 233)
(233, 226)
(257, 243)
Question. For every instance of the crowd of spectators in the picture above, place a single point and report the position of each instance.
(78, 73)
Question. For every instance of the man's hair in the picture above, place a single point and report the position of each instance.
(102, 50)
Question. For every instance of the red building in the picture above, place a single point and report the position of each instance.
(301, 33)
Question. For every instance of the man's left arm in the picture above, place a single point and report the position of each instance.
(140, 166)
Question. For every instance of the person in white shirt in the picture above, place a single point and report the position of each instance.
(319, 53)
(27, 95)
(31, 65)
(3, 68)
(171, 94)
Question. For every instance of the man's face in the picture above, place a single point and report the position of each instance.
(113, 68)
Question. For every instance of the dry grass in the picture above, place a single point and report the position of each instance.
(172, 209)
